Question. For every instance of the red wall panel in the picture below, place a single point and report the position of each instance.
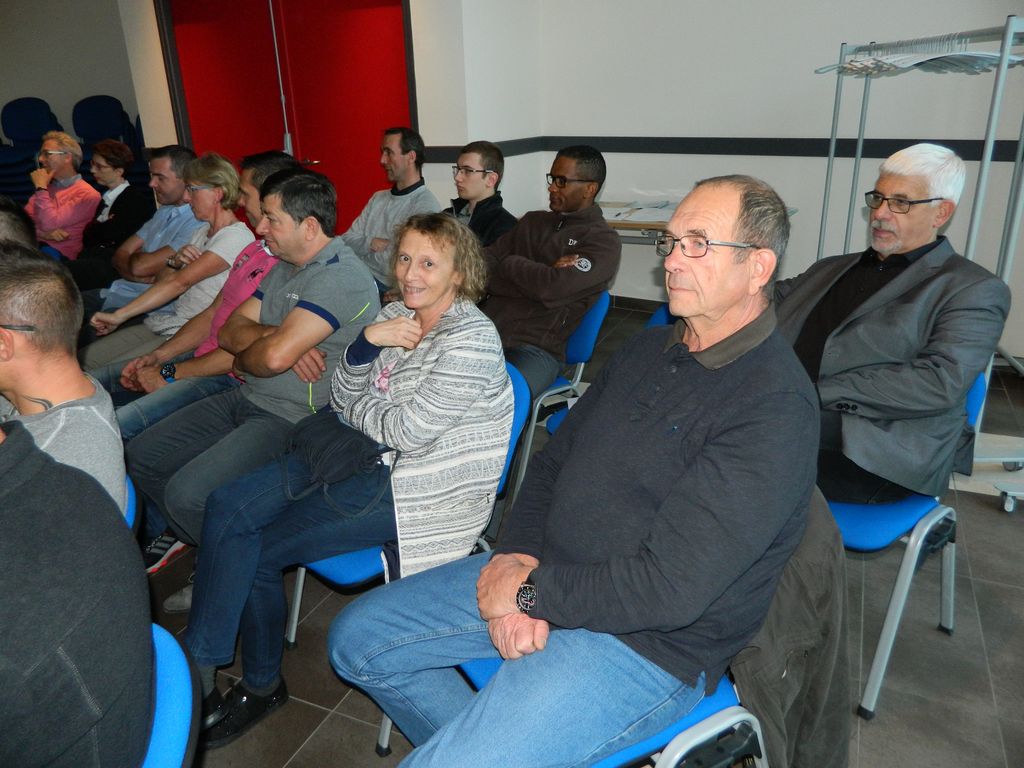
(344, 71)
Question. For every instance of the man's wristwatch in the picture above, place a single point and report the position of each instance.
(526, 596)
(167, 372)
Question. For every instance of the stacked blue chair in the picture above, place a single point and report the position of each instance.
(925, 526)
(102, 117)
(355, 568)
(172, 737)
(24, 121)
(578, 351)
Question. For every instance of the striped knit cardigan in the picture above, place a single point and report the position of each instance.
(446, 407)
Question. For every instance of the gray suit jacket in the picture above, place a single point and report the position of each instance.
(899, 367)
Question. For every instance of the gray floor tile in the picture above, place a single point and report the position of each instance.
(1002, 619)
(341, 742)
(912, 732)
(994, 537)
(1013, 741)
(925, 661)
(271, 743)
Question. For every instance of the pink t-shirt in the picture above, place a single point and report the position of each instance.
(248, 271)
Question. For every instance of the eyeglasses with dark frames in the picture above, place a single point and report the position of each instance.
(561, 181)
(467, 171)
(22, 328)
(693, 246)
(896, 204)
(193, 188)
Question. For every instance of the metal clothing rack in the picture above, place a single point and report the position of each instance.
(952, 53)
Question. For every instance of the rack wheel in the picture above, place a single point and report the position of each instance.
(1013, 466)
(1009, 502)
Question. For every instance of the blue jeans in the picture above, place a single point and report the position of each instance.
(137, 411)
(537, 365)
(179, 461)
(253, 530)
(400, 643)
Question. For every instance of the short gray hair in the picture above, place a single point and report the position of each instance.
(763, 219)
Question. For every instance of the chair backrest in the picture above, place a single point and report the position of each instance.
(661, 316)
(176, 702)
(580, 346)
(976, 399)
(100, 117)
(520, 413)
(25, 120)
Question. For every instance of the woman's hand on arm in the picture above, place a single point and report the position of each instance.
(401, 331)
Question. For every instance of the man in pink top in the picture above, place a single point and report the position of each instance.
(190, 365)
(63, 203)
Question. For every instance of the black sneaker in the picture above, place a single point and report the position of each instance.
(162, 551)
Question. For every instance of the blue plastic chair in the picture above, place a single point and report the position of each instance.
(925, 526)
(355, 568)
(172, 738)
(578, 351)
(716, 714)
(661, 316)
(129, 502)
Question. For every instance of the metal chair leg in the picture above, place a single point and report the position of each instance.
(948, 584)
(293, 613)
(894, 613)
(383, 747)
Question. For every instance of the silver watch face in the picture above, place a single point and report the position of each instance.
(526, 597)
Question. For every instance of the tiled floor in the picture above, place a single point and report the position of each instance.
(947, 700)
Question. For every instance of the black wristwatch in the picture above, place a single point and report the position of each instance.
(167, 372)
(526, 596)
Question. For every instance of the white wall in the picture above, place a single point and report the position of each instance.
(148, 74)
(688, 69)
(62, 52)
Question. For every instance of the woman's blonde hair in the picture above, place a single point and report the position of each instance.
(443, 231)
(216, 171)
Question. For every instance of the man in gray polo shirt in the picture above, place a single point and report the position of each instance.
(285, 337)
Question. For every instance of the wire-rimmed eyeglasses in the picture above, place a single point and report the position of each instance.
(875, 199)
(693, 246)
(467, 171)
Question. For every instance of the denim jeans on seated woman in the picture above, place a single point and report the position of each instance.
(252, 531)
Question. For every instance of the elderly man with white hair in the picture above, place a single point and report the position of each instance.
(894, 337)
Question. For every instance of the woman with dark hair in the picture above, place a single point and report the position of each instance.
(426, 382)
(122, 210)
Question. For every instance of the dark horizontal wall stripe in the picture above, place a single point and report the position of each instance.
(968, 149)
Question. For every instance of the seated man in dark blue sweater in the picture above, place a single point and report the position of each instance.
(647, 541)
